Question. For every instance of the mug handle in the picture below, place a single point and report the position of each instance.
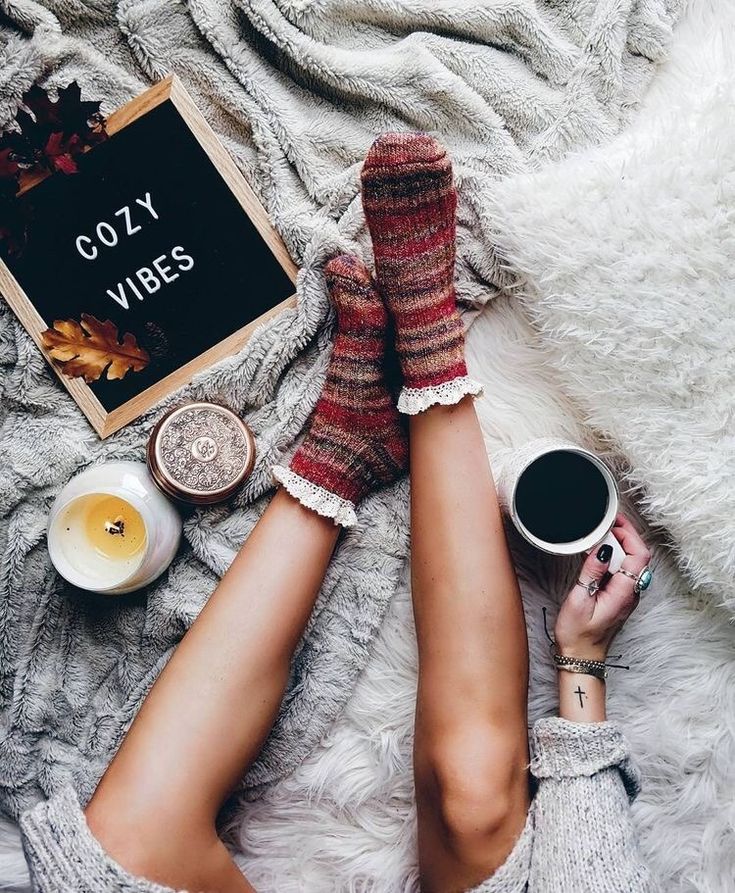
(618, 555)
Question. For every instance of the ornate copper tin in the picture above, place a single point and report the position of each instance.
(200, 453)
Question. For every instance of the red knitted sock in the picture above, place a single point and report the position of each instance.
(356, 442)
(410, 204)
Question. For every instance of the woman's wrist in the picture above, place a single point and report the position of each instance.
(581, 697)
(587, 650)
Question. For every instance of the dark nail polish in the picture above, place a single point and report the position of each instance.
(604, 553)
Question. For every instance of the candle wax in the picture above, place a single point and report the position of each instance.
(114, 527)
(103, 536)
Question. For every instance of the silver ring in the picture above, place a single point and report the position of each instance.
(592, 587)
(642, 580)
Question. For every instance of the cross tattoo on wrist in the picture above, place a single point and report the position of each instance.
(581, 693)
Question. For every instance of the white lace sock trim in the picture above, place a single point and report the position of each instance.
(415, 400)
(316, 498)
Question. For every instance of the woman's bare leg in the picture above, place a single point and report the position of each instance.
(210, 710)
(471, 747)
(471, 751)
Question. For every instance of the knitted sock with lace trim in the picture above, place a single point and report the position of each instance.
(410, 204)
(356, 442)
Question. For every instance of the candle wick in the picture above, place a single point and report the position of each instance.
(116, 527)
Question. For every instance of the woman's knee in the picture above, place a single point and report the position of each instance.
(475, 783)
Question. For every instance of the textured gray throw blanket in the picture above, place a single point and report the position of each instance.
(297, 90)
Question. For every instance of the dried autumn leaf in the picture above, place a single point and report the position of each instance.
(60, 151)
(86, 350)
(45, 112)
(44, 137)
(43, 126)
(79, 117)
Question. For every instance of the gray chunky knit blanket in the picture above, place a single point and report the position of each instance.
(297, 90)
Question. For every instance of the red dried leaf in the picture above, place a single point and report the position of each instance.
(49, 136)
(47, 125)
(77, 116)
(20, 151)
(45, 112)
(60, 151)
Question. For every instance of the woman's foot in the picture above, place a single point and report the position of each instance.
(356, 442)
(410, 205)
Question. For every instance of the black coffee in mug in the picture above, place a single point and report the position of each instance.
(561, 497)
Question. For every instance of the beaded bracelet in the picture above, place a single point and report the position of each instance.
(597, 668)
(580, 665)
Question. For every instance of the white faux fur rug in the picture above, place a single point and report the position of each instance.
(344, 821)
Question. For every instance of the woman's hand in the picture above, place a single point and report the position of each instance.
(586, 624)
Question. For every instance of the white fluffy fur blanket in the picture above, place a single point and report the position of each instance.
(626, 259)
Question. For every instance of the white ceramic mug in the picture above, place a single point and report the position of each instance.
(521, 460)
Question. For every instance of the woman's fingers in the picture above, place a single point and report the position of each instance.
(590, 617)
(622, 520)
(580, 602)
(619, 594)
(629, 538)
(619, 599)
(594, 569)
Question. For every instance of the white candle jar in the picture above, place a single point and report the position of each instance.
(111, 530)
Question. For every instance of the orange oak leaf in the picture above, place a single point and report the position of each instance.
(86, 350)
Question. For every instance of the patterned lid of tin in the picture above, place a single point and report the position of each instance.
(200, 453)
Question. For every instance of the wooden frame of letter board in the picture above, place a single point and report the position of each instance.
(106, 423)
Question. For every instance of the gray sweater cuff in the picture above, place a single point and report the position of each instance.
(564, 749)
(512, 876)
(63, 854)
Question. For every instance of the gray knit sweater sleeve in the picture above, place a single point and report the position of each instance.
(579, 835)
(64, 857)
(584, 835)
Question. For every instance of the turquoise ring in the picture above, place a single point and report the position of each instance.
(642, 580)
(645, 578)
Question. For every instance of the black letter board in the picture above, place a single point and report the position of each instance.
(159, 233)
